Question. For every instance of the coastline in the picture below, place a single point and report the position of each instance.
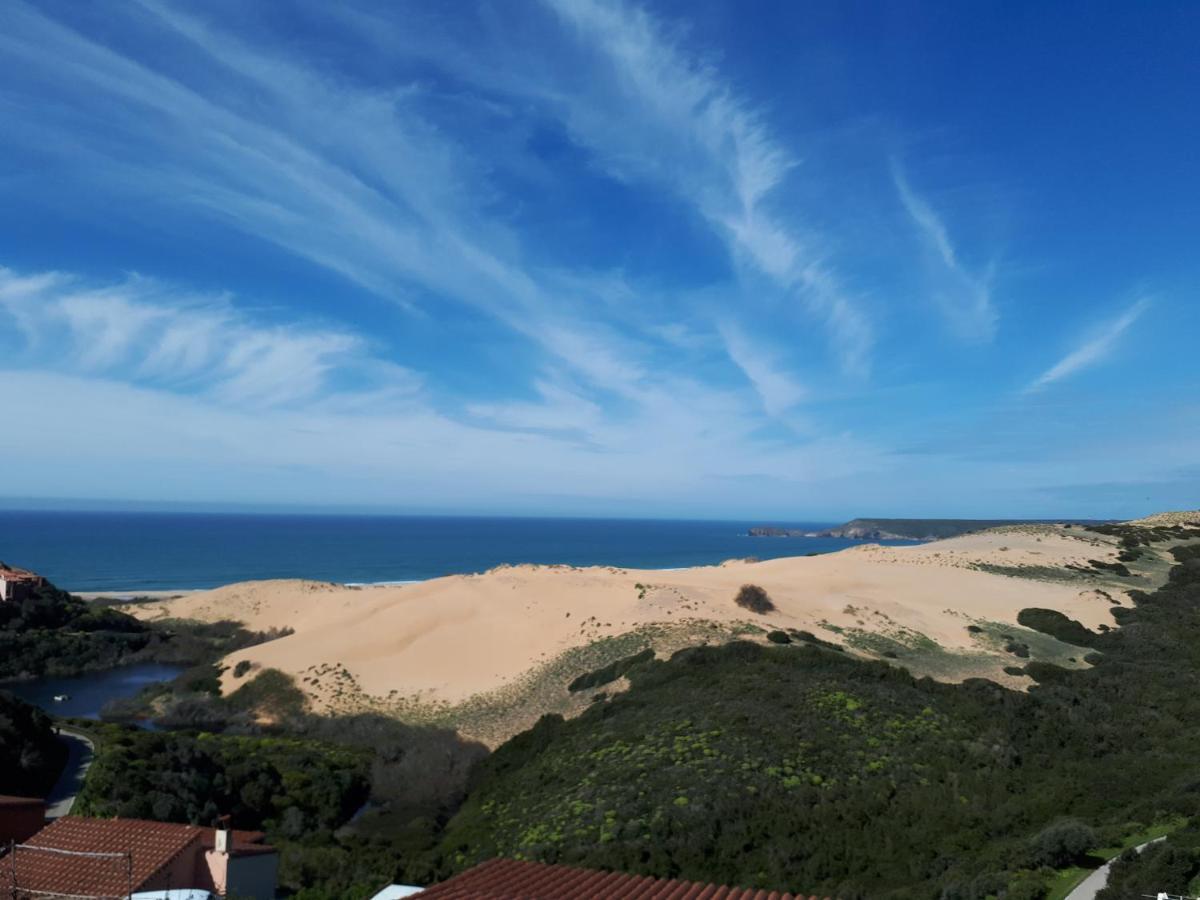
(160, 594)
(136, 595)
(512, 637)
(132, 555)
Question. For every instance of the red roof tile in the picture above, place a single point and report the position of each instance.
(151, 845)
(510, 879)
(12, 573)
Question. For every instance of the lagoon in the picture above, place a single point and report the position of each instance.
(87, 694)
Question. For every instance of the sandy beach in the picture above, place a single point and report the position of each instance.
(445, 641)
(130, 596)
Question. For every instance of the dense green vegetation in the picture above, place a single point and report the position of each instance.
(54, 633)
(1055, 624)
(30, 756)
(794, 767)
(296, 788)
(302, 782)
(788, 766)
(193, 700)
(611, 672)
(299, 791)
(1172, 865)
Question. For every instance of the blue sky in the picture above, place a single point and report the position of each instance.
(767, 260)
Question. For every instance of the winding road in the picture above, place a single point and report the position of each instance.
(1091, 886)
(80, 751)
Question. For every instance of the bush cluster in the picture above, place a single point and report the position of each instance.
(755, 599)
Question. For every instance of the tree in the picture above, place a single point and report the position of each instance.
(1062, 843)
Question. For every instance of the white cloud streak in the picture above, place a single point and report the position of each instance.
(144, 331)
(964, 296)
(350, 179)
(667, 116)
(274, 408)
(1093, 350)
(777, 389)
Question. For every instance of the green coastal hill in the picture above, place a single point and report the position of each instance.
(799, 768)
(904, 529)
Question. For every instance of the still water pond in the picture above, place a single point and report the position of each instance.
(85, 695)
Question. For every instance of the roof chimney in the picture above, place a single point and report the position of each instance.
(224, 842)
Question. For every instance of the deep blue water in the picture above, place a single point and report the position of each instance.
(87, 694)
(131, 551)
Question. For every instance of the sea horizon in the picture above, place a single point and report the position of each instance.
(126, 552)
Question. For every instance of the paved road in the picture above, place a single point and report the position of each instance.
(1090, 886)
(79, 757)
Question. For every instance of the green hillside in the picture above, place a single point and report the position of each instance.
(797, 768)
(30, 756)
(54, 633)
(923, 529)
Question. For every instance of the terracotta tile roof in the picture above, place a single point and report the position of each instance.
(153, 845)
(12, 573)
(510, 879)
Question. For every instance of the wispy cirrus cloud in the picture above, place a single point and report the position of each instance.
(146, 332)
(350, 178)
(665, 114)
(601, 247)
(777, 389)
(1093, 350)
(965, 297)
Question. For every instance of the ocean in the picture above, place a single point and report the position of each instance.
(146, 551)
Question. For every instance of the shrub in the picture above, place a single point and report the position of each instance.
(755, 599)
(809, 638)
(1061, 844)
(1018, 648)
(201, 679)
(272, 692)
(1119, 568)
(241, 668)
(611, 672)
(778, 637)
(1057, 625)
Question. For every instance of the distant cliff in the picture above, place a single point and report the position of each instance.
(893, 529)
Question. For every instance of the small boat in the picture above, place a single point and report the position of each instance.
(59, 698)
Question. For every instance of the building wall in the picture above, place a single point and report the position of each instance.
(179, 873)
(20, 823)
(251, 877)
(16, 591)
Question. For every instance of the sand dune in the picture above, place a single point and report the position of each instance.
(444, 641)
